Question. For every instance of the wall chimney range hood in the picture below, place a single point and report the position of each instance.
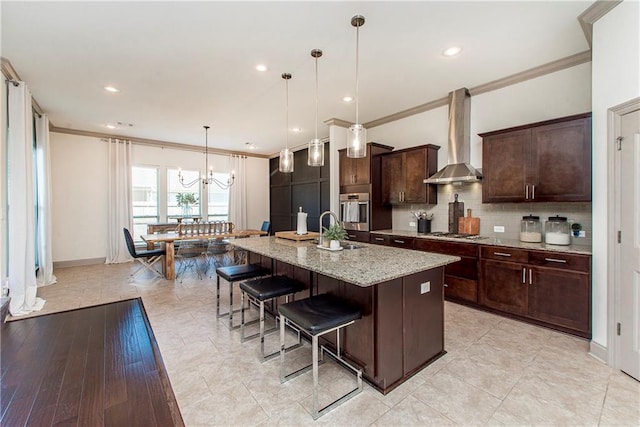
(458, 168)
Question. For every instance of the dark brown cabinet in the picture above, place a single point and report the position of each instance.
(460, 278)
(551, 288)
(358, 236)
(542, 162)
(359, 171)
(403, 173)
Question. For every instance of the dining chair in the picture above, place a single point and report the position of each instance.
(191, 254)
(266, 226)
(147, 258)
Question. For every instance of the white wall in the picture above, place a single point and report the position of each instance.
(79, 175)
(616, 79)
(3, 184)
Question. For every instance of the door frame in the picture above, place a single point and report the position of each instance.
(614, 117)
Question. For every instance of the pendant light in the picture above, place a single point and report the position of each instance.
(316, 147)
(286, 156)
(357, 134)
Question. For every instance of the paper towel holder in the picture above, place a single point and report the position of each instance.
(301, 228)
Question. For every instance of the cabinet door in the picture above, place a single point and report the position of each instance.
(392, 178)
(560, 297)
(362, 168)
(503, 286)
(415, 168)
(347, 168)
(505, 166)
(561, 156)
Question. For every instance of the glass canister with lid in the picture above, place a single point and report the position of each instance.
(556, 231)
(530, 229)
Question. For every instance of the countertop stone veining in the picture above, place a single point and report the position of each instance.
(367, 266)
(574, 249)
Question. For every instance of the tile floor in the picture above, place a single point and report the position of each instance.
(497, 371)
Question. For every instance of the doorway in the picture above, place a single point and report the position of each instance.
(626, 312)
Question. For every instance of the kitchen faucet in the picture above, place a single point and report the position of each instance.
(335, 218)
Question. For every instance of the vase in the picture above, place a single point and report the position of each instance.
(186, 210)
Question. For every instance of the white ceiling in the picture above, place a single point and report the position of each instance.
(181, 65)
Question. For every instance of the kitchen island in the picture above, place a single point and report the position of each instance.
(399, 291)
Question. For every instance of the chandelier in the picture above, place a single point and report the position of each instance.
(209, 178)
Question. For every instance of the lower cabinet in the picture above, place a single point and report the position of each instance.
(389, 240)
(547, 287)
(358, 236)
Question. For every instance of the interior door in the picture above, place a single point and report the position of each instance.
(628, 253)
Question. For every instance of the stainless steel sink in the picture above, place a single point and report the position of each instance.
(349, 246)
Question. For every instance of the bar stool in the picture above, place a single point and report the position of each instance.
(258, 291)
(317, 316)
(232, 274)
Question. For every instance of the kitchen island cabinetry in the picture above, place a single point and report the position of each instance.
(403, 173)
(399, 293)
(460, 278)
(542, 162)
(550, 288)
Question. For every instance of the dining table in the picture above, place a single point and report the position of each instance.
(168, 240)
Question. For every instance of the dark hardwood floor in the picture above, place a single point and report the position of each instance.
(87, 367)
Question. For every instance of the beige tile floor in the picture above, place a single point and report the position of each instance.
(497, 371)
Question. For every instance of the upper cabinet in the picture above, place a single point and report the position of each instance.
(403, 173)
(542, 162)
(359, 171)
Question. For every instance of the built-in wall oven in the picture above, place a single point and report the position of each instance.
(354, 211)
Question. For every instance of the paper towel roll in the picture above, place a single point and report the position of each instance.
(302, 223)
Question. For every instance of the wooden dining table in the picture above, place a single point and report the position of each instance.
(168, 239)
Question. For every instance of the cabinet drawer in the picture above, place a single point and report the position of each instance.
(379, 239)
(561, 260)
(462, 289)
(401, 242)
(447, 248)
(504, 254)
(358, 236)
(466, 267)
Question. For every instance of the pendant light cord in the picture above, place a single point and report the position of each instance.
(287, 115)
(357, 62)
(316, 97)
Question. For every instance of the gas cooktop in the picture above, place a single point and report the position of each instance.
(455, 235)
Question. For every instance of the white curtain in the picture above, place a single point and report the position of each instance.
(120, 212)
(21, 235)
(43, 160)
(238, 193)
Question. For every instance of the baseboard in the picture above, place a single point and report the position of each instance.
(78, 262)
(599, 352)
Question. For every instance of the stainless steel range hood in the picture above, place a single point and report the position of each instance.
(458, 168)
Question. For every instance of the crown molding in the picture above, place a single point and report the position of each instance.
(155, 143)
(337, 122)
(594, 12)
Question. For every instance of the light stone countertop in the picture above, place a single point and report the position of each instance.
(574, 249)
(367, 266)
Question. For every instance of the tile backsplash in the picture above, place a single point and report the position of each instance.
(492, 214)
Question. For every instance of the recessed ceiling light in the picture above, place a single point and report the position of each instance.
(452, 51)
(347, 99)
(111, 89)
(250, 145)
(110, 126)
(261, 67)
(295, 129)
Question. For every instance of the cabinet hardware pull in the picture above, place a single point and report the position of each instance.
(379, 239)
(352, 236)
(562, 261)
(533, 192)
(501, 254)
(445, 285)
(399, 241)
(526, 192)
(530, 279)
(524, 275)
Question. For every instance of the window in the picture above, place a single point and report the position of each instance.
(218, 200)
(174, 189)
(144, 195)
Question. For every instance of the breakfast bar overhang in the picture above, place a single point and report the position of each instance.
(399, 291)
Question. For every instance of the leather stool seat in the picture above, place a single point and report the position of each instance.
(320, 313)
(266, 288)
(234, 273)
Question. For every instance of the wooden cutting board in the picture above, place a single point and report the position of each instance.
(469, 224)
(291, 235)
(456, 211)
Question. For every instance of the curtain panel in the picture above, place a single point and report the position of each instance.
(20, 197)
(120, 214)
(238, 193)
(44, 224)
